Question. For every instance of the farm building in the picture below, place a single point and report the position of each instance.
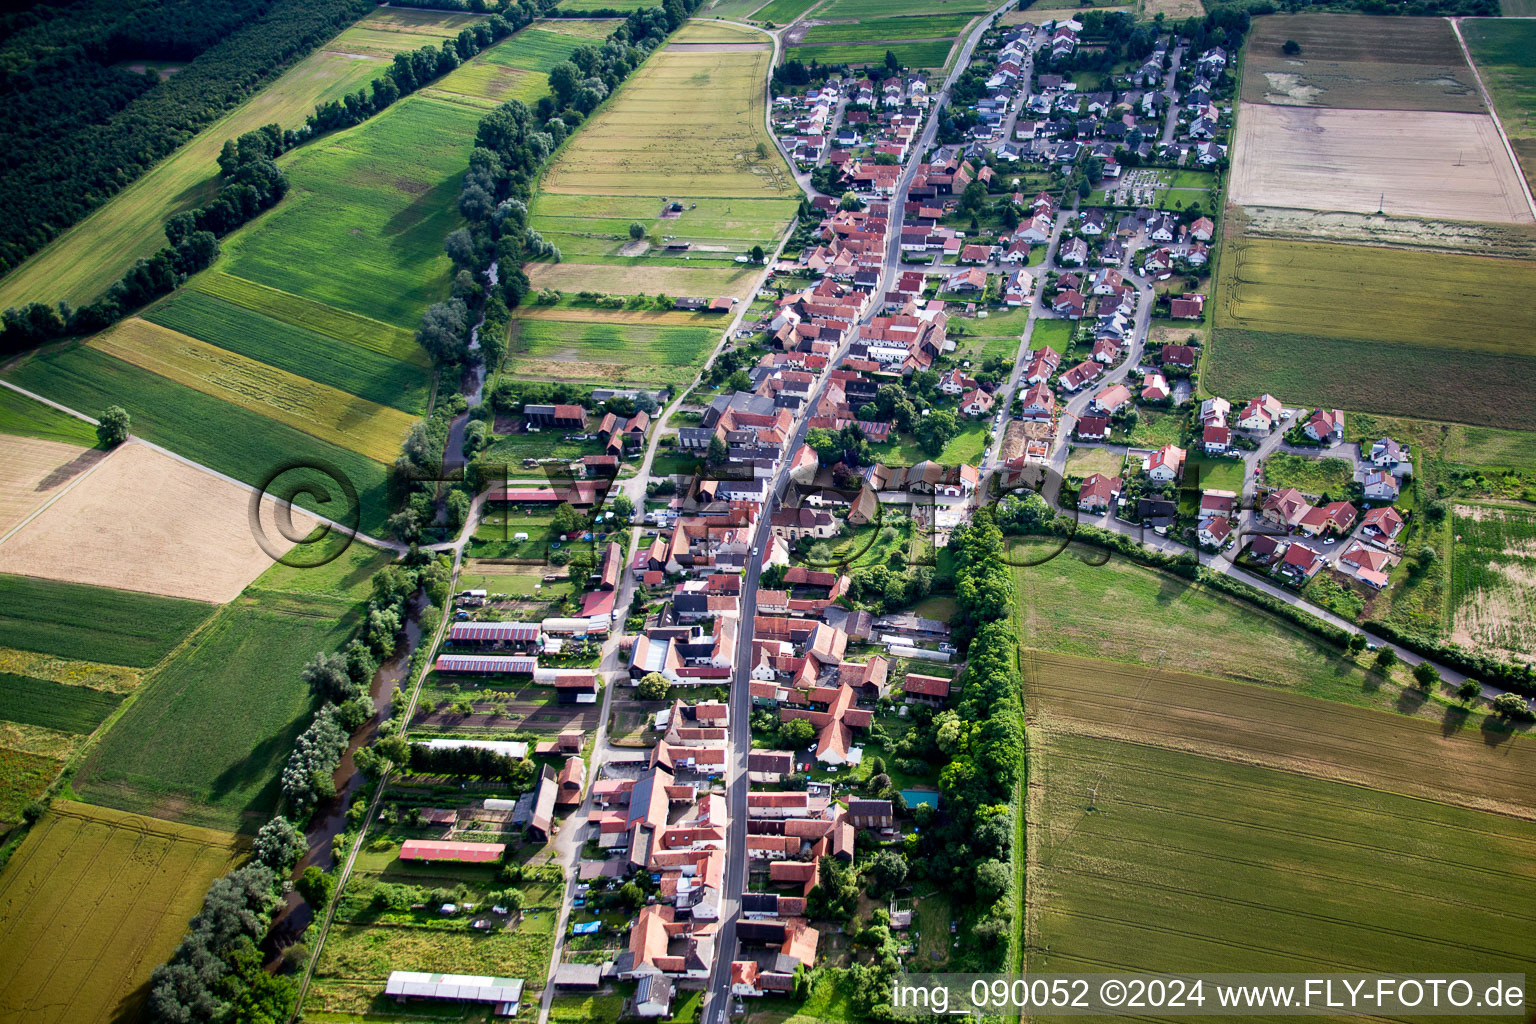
(541, 822)
(499, 634)
(444, 849)
(505, 994)
(506, 748)
(486, 664)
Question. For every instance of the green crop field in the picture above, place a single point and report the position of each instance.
(1403, 380)
(77, 709)
(1301, 319)
(888, 8)
(116, 627)
(782, 12)
(598, 351)
(82, 262)
(599, 5)
(878, 30)
(1493, 578)
(1128, 613)
(246, 445)
(918, 55)
(207, 736)
(23, 417)
(376, 200)
(336, 364)
(100, 888)
(372, 335)
(1505, 52)
(1183, 862)
(1308, 475)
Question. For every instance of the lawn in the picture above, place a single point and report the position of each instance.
(79, 264)
(245, 445)
(1308, 475)
(109, 891)
(922, 54)
(208, 734)
(1054, 334)
(1202, 472)
(1152, 860)
(296, 349)
(115, 627)
(371, 430)
(965, 448)
(76, 709)
(23, 417)
(1493, 578)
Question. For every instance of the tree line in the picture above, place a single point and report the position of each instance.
(79, 127)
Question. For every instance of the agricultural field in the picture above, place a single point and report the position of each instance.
(600, 5)
(205, 739)
(1300, 318)
(381, 379)
(595, 229)
(1077, 604)
(876, 31)
(887, 8)
(367, 428)
(245, 445)
(1505, 53)
(1358, 62)
(33, 472)
(1493, 579)
(95, 899)
(927, 53)
(1417, 163)
(113, 627)
(21, 416)
(1513, 240)
(696, 31)
(619, 352)
(76, 709)
(1150, 859)
(782, 12)
(1308, 475)
(83, 261)
(173, 530)
(1288, 731)
(1038, 13)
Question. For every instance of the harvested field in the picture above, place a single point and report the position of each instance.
(1276, 729)
(1437, 300)
(1512, 240)
(1493, 580)
(95, 899)
(172, 529)
(365, 427)
(1180, 859)
(1418, 163)
(34, 472)
(1358, 62)
(82, 262)
(715, 32)
(709, 148)
(114, 627)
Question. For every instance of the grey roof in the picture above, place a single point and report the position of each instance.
(466, 987)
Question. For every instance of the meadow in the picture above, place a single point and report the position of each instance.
(245, 445)
(610, 352)
(96, 898)
(296, 350)
(887, 8)
(1308, 475)
(923, 54)
(114, 627)
(877, 30)
(20, 416)
(323, 412)
(82, 262)
(1493, 579)
(76, 709)
(1359, 62)
(782, 12)
(598, 5)
(1145, 859)
(1505, 52)
(1078, 603)
(592, 229)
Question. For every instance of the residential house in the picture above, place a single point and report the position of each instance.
(1260, 413)
(1093, 427)
(1099, 493)
(1300, 563)
(1325, 426)
(1214, 533)
(1039, 403)
(1382, 523)
(1166, 464)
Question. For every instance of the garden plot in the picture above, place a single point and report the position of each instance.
(1415, 163)
(171, 529)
